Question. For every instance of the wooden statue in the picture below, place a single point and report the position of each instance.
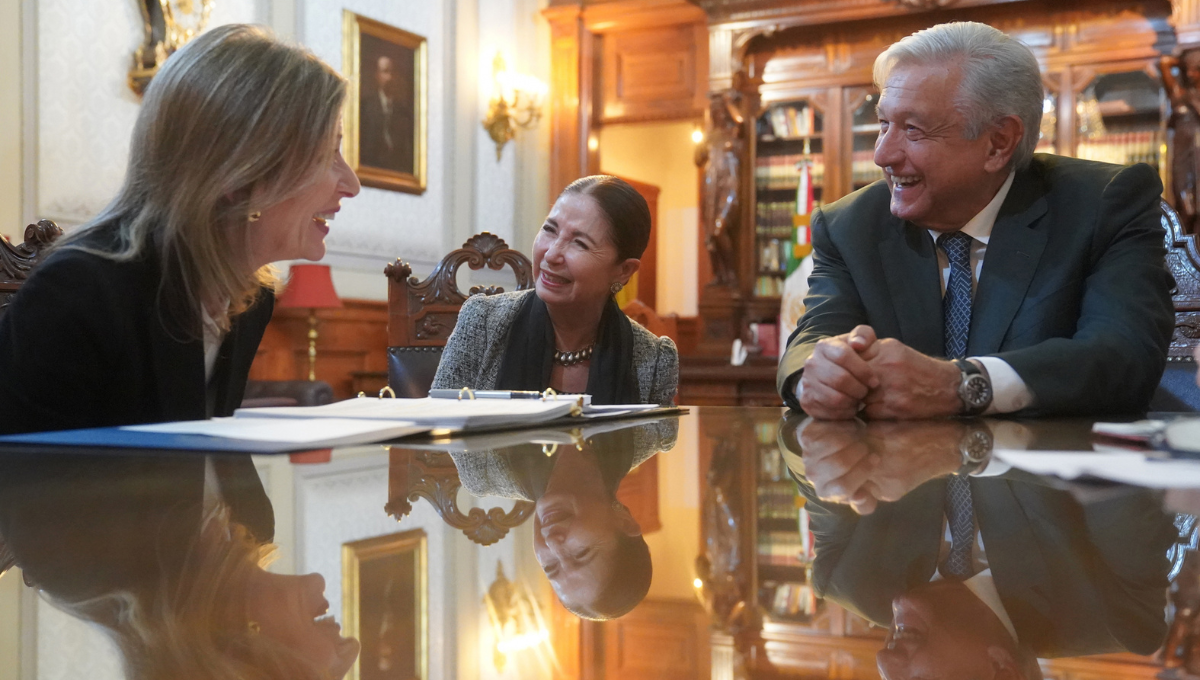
(1181, 77)
(721, 159)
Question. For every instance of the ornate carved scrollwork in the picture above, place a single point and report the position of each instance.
(480, 250)
(17, 262)
(431, 475)
(1183, 261)
(722, 159)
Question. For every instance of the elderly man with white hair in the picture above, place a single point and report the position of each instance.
(980, 277)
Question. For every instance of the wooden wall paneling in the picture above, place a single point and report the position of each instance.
(568, 141)
(658, 640)
(351, 339)
(653, 74)
(647, 273)
(1185, 17)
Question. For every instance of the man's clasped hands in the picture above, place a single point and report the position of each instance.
(881, 378)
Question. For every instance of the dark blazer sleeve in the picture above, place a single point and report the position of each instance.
(832, 307)
(56, 345)
(1115, 358)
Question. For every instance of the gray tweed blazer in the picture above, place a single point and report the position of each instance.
(475, 348)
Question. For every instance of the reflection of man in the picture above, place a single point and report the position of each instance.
(1015, 570)
(386, 131)
(1046, 272)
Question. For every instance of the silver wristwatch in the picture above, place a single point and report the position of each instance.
(975, 389)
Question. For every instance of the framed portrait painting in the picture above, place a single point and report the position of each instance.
(385, 605)
(385, 119)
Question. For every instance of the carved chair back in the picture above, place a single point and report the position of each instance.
(18, 262)
(1178, 390)
(422, 314)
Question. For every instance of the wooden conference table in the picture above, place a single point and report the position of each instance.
(432, 550)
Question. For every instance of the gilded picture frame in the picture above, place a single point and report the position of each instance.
(385, 604)
(386, 117)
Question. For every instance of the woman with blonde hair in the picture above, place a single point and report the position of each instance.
(153, 311)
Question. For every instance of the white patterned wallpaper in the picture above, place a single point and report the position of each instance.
(495, 180)
(381, 225)
(85, 109)
(342, 502)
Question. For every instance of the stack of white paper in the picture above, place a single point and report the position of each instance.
(434, 413)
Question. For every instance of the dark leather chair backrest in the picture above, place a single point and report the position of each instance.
(18, 262)
(422, 314)
(1178, 391)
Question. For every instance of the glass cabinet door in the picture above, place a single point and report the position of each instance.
(1119, 119)
(864, 130)
(789, 136)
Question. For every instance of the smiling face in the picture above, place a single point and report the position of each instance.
(942, 630)
(574, 257)
(295, 228)
(291, 610)
(939, 180)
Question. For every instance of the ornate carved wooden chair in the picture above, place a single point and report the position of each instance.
(1178, 390)
(17, 262)
(422, 314)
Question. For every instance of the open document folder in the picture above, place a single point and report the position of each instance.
(451, 414)
(247, 435)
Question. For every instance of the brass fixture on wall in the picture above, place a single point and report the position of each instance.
(516, 103)
(167, 25)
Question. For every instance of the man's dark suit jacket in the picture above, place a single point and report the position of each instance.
(83, 344)
(1074, 579)
(1073, 294)
(372, 148)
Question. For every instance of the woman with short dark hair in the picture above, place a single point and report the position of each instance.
(568, 333)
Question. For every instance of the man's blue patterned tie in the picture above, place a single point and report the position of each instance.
(956, 312)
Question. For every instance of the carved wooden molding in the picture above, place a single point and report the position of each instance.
(18, 262)
(424, 312)
(431, 475)
(924, 4)
(1183, 260)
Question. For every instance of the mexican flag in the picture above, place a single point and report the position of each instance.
(799, 261)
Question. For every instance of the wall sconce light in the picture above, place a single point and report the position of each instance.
(516, 103)
(697, 136)
(516, 621)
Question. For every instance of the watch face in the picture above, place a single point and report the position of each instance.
(976, 446)
(976, 391)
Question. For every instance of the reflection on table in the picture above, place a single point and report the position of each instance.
(725, 542)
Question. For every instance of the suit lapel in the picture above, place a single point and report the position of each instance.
(911, 269)
(1012, 257)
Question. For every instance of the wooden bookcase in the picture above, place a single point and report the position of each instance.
(1104, 100)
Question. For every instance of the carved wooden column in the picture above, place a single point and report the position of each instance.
(570, 99)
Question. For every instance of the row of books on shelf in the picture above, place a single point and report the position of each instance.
(786, 548)
(791, 599)
(778, 500)
(863, 169)
(766, 232)
(1122, 148)
(783, 172)
(774, 218)
(769, 285)
(773, 256)
(790, 122)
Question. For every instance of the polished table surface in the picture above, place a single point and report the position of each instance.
(724, 541)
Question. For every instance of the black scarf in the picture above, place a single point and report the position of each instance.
(529, 355)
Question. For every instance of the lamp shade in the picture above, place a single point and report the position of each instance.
(309, 286)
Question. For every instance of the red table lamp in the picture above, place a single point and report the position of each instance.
(310, 286)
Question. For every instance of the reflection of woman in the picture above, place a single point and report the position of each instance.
(153, 311)
(569, 334)
(587, 542)
(166, 555)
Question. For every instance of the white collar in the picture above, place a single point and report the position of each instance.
(980, 226)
